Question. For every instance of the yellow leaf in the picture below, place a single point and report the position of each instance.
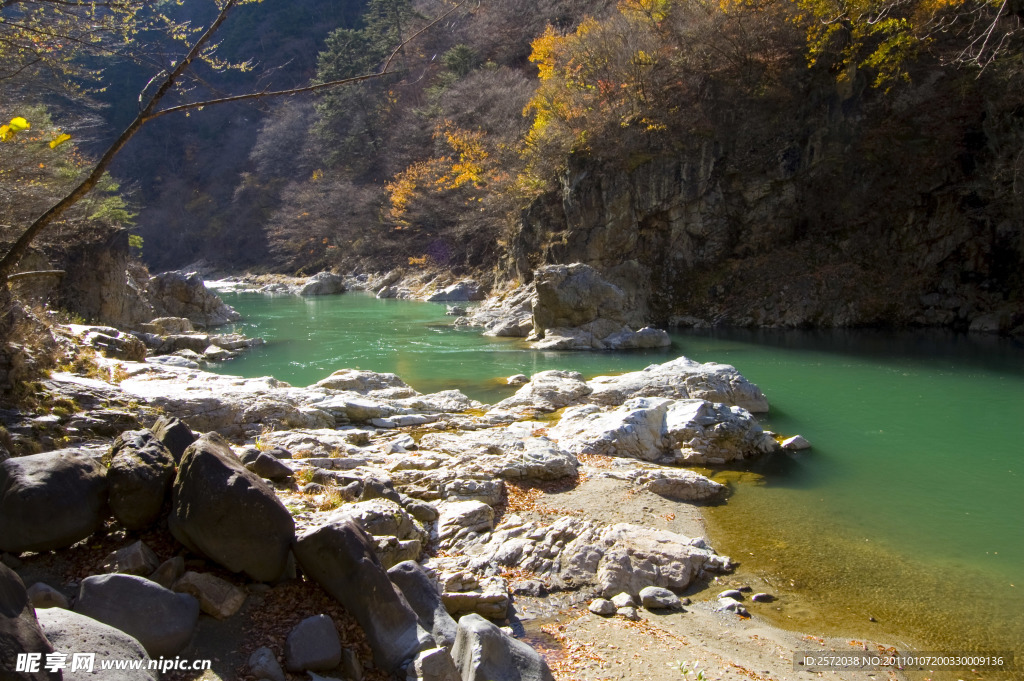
(18, 124)
(59, 140)
(5, 133)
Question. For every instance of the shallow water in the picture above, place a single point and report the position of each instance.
(909, 509)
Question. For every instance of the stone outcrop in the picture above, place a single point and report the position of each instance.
(664, 431)
(680, 378)
(224, 512)
(177, 294)
(323, 284)
(52, 500)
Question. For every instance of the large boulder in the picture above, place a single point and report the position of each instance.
(174, 434)
(140, 475)
(483, 652)
(323, 284)
(424, 596)
(228, 514)
(161, 620)
(49, 501)
(71, 632)
(177, 294)
(574, 295)
(340, 557)
(19, 630)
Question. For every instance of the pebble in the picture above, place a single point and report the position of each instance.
(731, 593)
(762, 598)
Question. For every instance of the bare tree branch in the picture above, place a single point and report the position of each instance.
(150, 111)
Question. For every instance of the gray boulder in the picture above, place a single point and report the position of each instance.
(229, 514)
(174, 434)
(435, 664)
(19, 629)
(323, 284)
(71, 632)
(424, 595)
(268, 467)
(177, 294)
(140, 475)
(161, 620)
(313, 644)
(49, 501)
(340, 558)
(574, 295)
(483, 652)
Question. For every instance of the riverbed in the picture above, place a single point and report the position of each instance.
(905, 522)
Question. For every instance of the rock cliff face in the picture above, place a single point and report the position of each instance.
(848, 210)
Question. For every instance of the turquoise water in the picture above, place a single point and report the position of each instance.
(909, 509)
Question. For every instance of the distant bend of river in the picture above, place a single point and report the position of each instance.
(909, 509)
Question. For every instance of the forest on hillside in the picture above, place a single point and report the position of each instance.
(843, 119)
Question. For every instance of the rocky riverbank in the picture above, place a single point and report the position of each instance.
(524, 514)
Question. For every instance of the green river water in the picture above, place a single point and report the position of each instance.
(909, 509)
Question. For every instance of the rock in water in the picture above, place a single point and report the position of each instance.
(339, 556)
(323, 284)
(140, 475)
(175, 435)
(160, 619)
(313, 644)
(49, 501)
(71, 632)
(229, 514)
(175, 294)
(483, 652)
(19, 630)
(425, 598)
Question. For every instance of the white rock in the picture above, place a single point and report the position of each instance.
(623, 600)
(796, 443)
(602, 606)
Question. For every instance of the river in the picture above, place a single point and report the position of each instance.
(905, 522)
